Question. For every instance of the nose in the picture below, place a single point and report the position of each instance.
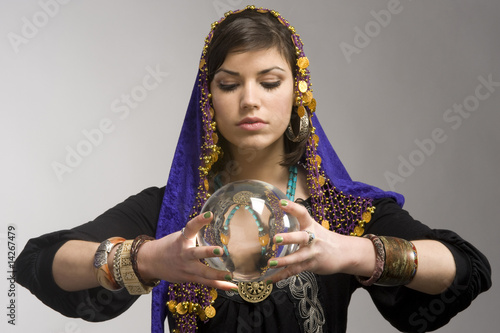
(250, 96)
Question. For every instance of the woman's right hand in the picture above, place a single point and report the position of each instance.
(176, 258)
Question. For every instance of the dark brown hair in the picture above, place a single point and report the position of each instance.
(249, 31)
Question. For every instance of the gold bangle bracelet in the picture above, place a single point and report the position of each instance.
(401, 262)
(130, 280)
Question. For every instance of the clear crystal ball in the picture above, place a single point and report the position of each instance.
(247, 216)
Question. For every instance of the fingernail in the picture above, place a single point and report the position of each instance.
(207, 215)
(234, 289)
(216, 251)
(268, 282)
(273, 263)
(228, 277)
(283, 202)
(279, 239)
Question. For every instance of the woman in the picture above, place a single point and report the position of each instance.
(251, 117)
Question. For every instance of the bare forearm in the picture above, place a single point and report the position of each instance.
(73, 266)
(436, 267)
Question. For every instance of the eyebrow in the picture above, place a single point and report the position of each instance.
(264, 71)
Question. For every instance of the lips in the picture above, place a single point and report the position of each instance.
(251, 123)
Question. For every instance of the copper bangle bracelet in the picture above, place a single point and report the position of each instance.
(401, 262)
(396, 262)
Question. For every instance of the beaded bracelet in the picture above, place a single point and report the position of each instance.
(379, 263)
(134, 250)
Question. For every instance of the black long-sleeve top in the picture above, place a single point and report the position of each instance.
(303, 303)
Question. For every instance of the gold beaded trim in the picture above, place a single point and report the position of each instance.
(366, 217)
(203, 313)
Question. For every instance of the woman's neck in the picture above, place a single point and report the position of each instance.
(253, 166)
(260, 165)
(264, 165)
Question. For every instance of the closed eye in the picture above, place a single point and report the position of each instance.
(271, 85)
(227, 87)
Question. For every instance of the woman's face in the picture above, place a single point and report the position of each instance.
(252, 94)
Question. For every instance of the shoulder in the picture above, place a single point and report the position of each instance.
(390, 219)
(387, 206)
(137, 214)
(150, 197)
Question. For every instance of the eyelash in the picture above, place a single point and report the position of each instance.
(271, 85)
(266, 85)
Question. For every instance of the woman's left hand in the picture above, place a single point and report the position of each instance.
(327, 253)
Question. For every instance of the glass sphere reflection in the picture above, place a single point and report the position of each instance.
(247, 216)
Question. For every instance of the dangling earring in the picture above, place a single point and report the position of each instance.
(303, 127)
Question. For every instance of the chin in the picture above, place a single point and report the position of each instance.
(255, 147)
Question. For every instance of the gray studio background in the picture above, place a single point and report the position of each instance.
(389, 100)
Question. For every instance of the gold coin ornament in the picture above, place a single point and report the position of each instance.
(315, 138)
(213, 294)
(307, 97)
(358, 231)
(312, 105)
(366, 216)
(303, 62)
(246, 217)
(210, 311)
(303, 86)
(182, 308)
(321, 180)
(318, 160)
(301, 111)
(172, 306)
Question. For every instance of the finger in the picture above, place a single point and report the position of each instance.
(296, 237)
(193, 226)
(202, 271)
(201, 252)
(299, 211)
(301, 256)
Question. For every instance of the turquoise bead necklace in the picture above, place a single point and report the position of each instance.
(264, 241)
(291, 185)
(292, 182)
